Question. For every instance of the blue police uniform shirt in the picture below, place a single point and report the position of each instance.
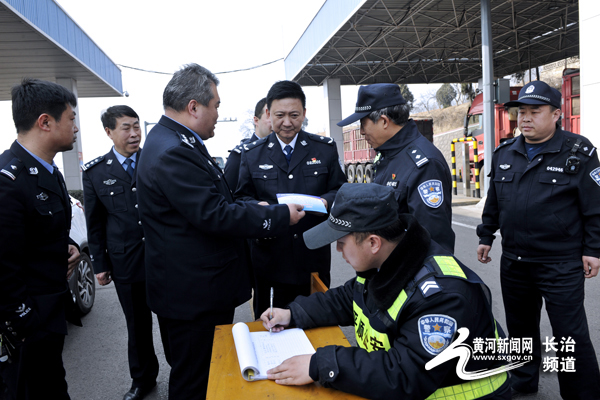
(533, 149)
(121, 158)
(193, 133)
(49, 167)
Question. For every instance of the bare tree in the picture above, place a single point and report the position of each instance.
(247, 127)
(427, 102)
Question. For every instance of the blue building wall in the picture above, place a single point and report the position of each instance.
(54, 22)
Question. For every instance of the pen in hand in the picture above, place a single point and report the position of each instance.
(271, 316)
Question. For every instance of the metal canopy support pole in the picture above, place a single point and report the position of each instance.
(73, 159)
(488, 90)
(333, 96)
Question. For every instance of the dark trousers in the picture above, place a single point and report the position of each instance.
(188, 348)
(143, 364)
(37, 371)
(284, 293)
(561, 286)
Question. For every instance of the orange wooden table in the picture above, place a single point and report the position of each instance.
(225, 380)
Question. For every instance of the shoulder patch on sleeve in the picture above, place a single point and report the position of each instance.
(436, 332)
(509, 141)
(595, 174)
(92, 163)
(320, 139)
(252, 145)
(432, 193)
(417, 155)
(12, 169)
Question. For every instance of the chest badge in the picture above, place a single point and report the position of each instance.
(42, 196)
(431, 193)
(33, 171)
(504, 167)
(393, 176)
(110, 182)
(435, 332)
(313, 161)
(109, 161)
(265, 166)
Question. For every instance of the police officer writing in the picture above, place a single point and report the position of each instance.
(289, 160)
(543, 196)
(36, 255)
(262, 125)
(406, 161)
(407, 303)
(116, 238)
(196, 270)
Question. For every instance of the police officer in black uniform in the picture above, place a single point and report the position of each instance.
(410, 300)
(116, 239)
(289, 160)
(262, 125)
(406, 161)
(543, 196)
(36, 254)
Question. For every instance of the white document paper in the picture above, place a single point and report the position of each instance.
(310, 203)
(258, 352)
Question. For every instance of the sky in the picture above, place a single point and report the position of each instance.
(222, 36)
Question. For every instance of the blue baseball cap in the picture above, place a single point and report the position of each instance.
(537, 93)
(372, 98)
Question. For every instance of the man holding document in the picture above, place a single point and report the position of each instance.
(288, 161)
(411, 301)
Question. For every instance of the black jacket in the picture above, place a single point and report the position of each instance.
(36, 218)
(232, 166)
(418, 172)
(115, 235)
(314, 170)
(195, 256)
(399, 372)
(543, 213)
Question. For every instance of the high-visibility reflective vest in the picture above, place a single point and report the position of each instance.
(372, 329)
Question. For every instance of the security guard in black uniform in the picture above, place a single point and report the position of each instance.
(36, 254)
(116, 239)
(406, 161)
(410, 301)
(289, 160)
(262, 125)
(543, 196)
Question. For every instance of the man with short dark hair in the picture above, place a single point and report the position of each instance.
(196, 271)
(410, 300)
(289, 160)
(116, 239)
(543, 196)
(262, 125)
(406, 160)
(36, 255)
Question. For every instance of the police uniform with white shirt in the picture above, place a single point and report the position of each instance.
(116, 240)
(546, 206)
(314, 169)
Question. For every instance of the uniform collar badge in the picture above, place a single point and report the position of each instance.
(192, 139)
(265, 166)
(271, 145)
(505, 166)
(303, 143)
(110, 182)
(42, 196)
(109, 161)
(185, 139)
(33, 171)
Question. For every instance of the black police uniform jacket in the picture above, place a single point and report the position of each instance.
(232, 166)
(195, 256)
(115, 235)
(418, 172)
(314, 170)
(36, 218)
(399, 372)
(544, 214)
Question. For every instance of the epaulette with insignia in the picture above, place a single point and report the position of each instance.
(417, 156)
(255, 144)
(90, 164)
(319, 138)
(12, 169)
(586, 147)
(238, 149)
(509, 141)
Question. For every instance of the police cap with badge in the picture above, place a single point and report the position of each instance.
(372, 98)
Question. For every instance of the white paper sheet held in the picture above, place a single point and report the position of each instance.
(310, 203)
(258, 352)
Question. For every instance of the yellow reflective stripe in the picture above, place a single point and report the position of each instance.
(394, 310)
(449, 266)
(366, 336)
(470, 390)
(360, 280)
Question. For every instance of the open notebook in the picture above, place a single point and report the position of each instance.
(258, 352)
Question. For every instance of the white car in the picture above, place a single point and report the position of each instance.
(82, 282)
